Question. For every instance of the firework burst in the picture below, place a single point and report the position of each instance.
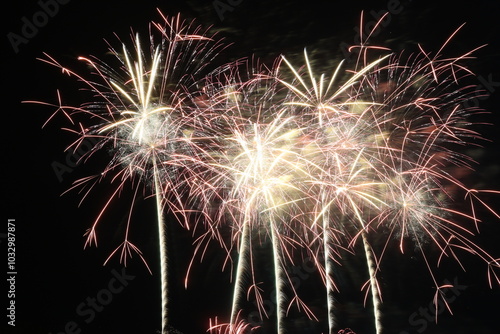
(393, 124)
(338, 122)
(306, 163)
(260, 170)
(145, 114)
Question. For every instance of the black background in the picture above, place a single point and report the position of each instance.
(55, 274)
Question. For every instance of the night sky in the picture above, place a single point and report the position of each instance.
(57, 280)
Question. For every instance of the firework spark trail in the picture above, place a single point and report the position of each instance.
(147, 116)
(238, 328)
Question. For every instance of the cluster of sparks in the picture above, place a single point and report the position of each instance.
(312, 163)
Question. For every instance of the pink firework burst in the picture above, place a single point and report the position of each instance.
(384, 143)
(145, 112)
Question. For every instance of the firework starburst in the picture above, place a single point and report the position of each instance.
(145, 115)
(305, 163)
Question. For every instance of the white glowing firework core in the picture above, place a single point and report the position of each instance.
(263, 170)
(146, 123)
